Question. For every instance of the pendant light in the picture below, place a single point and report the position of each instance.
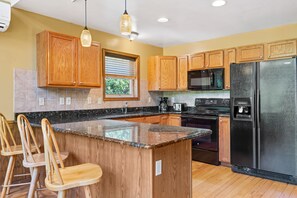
(86, 37)
(125, 24)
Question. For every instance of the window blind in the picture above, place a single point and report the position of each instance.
(119, 66)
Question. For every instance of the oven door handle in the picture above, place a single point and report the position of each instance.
(200, 117)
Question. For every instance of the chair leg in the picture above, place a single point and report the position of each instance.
(34, 180)
(62, 194)
(87, 191)
(11, 174)
(8, 171)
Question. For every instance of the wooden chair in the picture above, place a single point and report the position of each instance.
(32, 161)
(64, 178)
(10, 149)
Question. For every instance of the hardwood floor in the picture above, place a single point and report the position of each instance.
(214, 181)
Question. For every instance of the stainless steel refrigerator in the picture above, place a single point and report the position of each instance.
(263, 119)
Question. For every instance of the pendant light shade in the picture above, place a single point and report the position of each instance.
(126, 23)
(86, 37)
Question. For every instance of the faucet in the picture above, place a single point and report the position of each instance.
(125, 108)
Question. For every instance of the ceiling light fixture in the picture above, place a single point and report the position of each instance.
(125, 24)
(86, 37)
(218, 3)
(162, 20)
(133, 36)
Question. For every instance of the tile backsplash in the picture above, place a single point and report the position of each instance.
(189, 97)
(27, 95)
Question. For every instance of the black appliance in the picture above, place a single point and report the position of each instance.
(263, 119)
(163, 106)
(210, 79)
(206, 115)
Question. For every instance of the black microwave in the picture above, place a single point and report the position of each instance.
(210, 79)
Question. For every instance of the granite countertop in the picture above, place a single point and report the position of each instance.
(139, 135)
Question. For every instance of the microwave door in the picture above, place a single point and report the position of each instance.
(199, 80)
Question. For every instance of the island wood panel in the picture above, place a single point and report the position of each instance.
(281, 49)
(250, 53)
(89, 65)
(182, 73)
(176, 179)
(214, 59)
(229, 58)
(197, 61)
(129, 171)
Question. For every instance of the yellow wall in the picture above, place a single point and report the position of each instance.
(17, 48)
(267, 35)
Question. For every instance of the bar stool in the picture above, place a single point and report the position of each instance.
(33, 161)
(64, 178)
(10, 149)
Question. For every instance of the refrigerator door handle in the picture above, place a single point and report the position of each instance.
(258, 127)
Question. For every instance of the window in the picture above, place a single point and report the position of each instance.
(121, 76)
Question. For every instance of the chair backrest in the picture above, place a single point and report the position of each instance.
(6, 136)
(27, 136)
(52, 168)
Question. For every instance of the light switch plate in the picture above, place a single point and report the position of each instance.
(99, 100)
(89, 100)
(158, 167)
(149, 99)
(61, 101)
(41, 101)
(68, 100)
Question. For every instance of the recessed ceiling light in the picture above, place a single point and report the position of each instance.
(218, 3)
(162, 20)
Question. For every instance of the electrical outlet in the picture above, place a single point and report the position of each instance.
(99, 100)
(158, 167)
(149, 99)
(89, 100)
(68, 100)
(61, 101)
(41, 101)
(89, 129)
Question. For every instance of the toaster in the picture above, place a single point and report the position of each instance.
(179, 107)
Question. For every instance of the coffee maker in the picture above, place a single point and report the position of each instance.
(163, 106)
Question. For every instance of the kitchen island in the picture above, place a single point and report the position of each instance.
(128, 153)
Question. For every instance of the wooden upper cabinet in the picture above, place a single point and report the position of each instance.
(63, 62)
(162, 73)
(56, 59)
(214, 59)
(168, 73)
(250, 53)
(89, 65)
(224, 140)
(281, 49)
(182, 73)
(197, 61)
(229, 58)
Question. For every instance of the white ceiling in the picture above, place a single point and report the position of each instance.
(189, 20)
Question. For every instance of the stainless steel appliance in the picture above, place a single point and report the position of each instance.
(206, 115)
(210, 79)
(263, 119)
(179, 107)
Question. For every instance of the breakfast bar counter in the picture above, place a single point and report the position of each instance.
(137, 159)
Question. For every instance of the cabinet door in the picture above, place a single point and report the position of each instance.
(174, 120)
(250, 53)
(153, 119)
(281, 49)
(229, 58)
(89, 65)
(136, 119)
(182, 73)
(197, 61)
(168, 73)
(62, 60)
(214, 59)
(164, 119)
(224, 139)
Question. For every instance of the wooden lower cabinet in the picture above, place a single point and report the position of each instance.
(224, 140)
(174, 120)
